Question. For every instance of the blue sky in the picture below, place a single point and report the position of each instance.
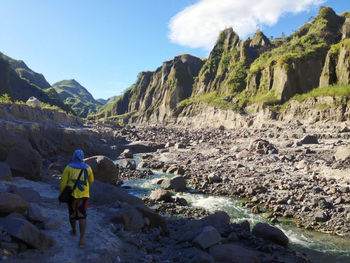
(105, 44)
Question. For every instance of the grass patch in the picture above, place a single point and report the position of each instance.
(264, 97)
(6, 99)
(332, 91)
(213, 99)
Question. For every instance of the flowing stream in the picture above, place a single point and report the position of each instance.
(320, 247)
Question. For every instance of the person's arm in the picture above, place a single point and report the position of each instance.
(64, 179)
(91, 176)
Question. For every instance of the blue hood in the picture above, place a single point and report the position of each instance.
(78, 160)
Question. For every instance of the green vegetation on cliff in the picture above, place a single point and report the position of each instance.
(6, 99)
(244, 75)
(20, 83)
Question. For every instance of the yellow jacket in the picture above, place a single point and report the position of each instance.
(69, 177)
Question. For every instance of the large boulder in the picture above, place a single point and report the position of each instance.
(127, 164)
(10, 203)
(130, 217)
(177, 183)
(214, 178)
(208, 237)
(218, 219)
(161, 195)
(34, 102)
(144, 146)
(270, 233)
(342, 153)
(5, 172)
(102, 194)
(25, 162)
(28, 233)
(233, 254)
(202, 257)
(36, 213)
(105, 170)
(153, 219)
(193, 228)
(25, 193)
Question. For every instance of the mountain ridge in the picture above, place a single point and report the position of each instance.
(77, 96)
(239, 74)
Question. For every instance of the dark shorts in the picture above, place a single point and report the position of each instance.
(78, 208)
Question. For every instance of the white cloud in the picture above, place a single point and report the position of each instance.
(199, 25)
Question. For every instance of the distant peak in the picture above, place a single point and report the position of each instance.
(260, 39)
(326, 12)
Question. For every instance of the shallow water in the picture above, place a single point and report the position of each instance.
(320, 247)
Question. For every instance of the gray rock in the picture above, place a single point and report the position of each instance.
(5, 172)
(214, 178)
(142, 164)
(320, 216)
(127, 164)
(51, 223)
(126, 154)
(233, 253)
(26, 193)
(202, 257)
(130, 217)
(342, 153)
(218, 219)
(270, 233)
(161, 195)
(102, 194)
(104, 169)
(34, 102)
(36, 213)
(179, 146)
(10, 203)
(25, 161)
(177, 183)
(180, 201)
(144, 146)
(308, 139)
(243, 154)
(208, 237)
(28, 233)
(178, 170)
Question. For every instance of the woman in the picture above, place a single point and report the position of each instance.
(77, 207)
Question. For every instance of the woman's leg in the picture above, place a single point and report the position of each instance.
(72, 215)
(73, 225)
(81, 212)
(82, 228)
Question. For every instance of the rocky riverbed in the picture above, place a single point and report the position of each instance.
(284, 170)
(292, 170)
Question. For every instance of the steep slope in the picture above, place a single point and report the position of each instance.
(78, 97)
(226, 69)
(155, 95)
(19, 88)
(296, 66)
(26, 73)
(244, 76)
(107, 104)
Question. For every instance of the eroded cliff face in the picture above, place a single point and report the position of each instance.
(336, 68)
(226, 69)
(242, 76)
(296, 66)
(156, 94)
